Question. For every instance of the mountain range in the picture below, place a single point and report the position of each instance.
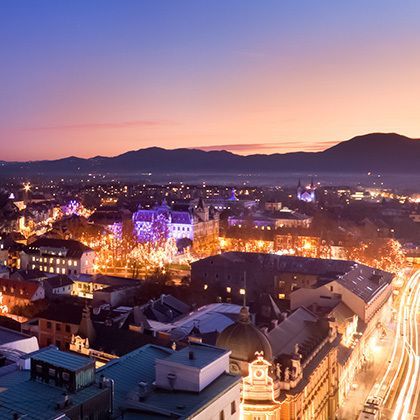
(375, 152)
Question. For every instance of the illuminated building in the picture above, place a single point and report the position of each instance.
(243, 339)
(197, 223)
(306, 194)
(20, 293)
(108, 289)
(58, 256)
(300, 240)
(271, 220)
(295, 374)
(258, 392)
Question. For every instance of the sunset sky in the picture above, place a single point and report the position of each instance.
(86, 78)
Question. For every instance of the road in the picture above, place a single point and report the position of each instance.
(399, 386)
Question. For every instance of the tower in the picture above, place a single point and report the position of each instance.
(306, 193)
(299, 190)
(258, 392)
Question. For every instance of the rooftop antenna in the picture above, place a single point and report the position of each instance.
(244, 302)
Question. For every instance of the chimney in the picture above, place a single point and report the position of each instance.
(143, 390)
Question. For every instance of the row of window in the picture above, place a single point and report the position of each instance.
(51, 270)
(228, 289)
(58, 261)
(183, 228)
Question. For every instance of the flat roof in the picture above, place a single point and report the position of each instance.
(35, 399)
(139, 366)
(63, 359)
(9, 336)
(203, 355)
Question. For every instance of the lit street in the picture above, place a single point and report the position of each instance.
(399, 385)
(393, 373)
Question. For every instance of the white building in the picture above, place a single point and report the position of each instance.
(196, 222)
(193, 383)
(58, 256)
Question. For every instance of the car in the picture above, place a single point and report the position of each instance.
(371, 409)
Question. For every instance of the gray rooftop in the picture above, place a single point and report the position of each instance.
(139, 366)
(58, 358)
(9, 336)
(203, 355)
(296, 328)
(362, 280)
(33, 399)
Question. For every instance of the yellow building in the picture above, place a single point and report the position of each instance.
(258, 392)
(295, 373)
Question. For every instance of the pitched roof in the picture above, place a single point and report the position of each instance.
(296, 328)
(75, 249)
(58, 281)
(28, 274)
(18, 288)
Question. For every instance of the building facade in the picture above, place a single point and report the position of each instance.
(198, 222)
(58, 256)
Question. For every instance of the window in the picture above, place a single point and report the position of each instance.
(331, 288)
(58, 343)
(49, 325)
(65, 376)
(68, 328)
(222, 415)
(51, 372)
(233, 407)
(58, 327)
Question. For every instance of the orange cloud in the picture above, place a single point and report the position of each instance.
(281, 147)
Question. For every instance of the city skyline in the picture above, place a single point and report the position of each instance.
(86, 80)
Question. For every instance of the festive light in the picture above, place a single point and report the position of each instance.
(3, 308)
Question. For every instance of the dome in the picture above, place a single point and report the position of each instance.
(244, 339)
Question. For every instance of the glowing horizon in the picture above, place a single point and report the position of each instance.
(83, 80)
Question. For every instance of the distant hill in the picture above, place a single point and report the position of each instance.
(376, 152)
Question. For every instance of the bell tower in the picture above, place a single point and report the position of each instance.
(258, 392)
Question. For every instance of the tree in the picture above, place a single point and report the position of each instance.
(385, 255)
